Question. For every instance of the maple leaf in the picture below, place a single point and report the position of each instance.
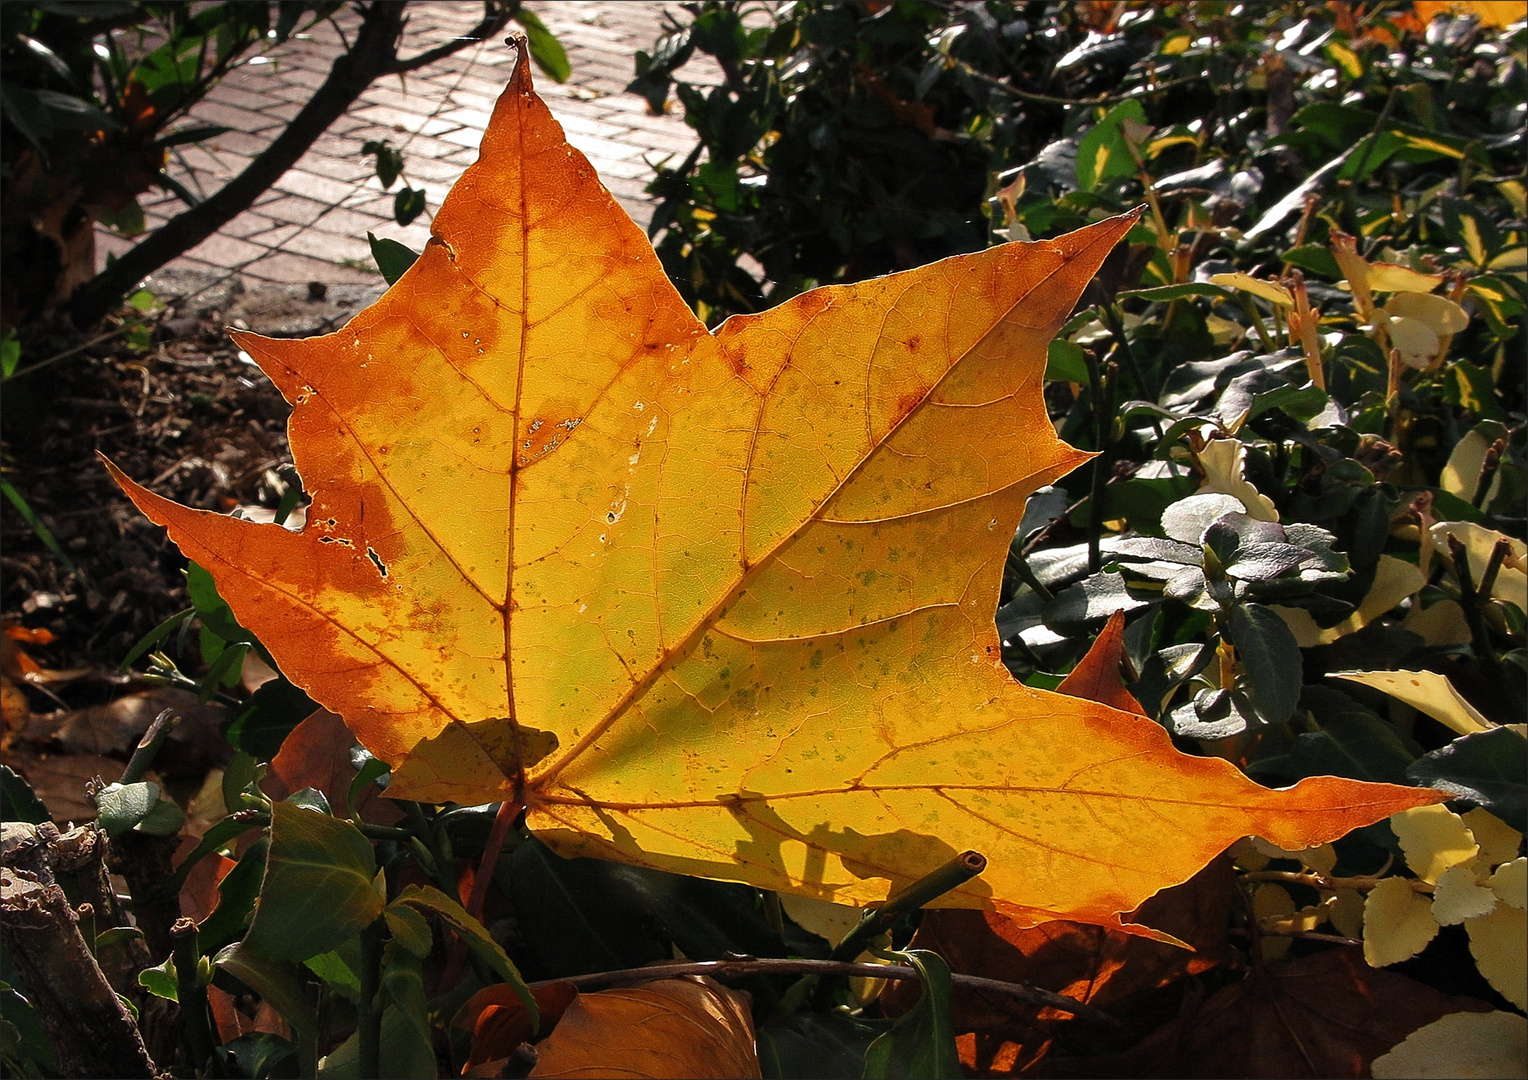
(718, 603)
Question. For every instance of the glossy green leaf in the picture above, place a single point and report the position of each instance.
(546, 50)
(1267, 651)
(1103, 153)
(423, 898)
(922, 1043)
(318, 885)
(391, 257)
(1488, 768)
(121, 807)
(1162, 293)
(277, 981)
(18, 802)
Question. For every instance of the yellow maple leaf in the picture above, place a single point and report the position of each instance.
(719, 603)
(1497, 13)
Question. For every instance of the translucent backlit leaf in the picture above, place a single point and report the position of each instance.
(1461, 1044)
(1398, 922)
(1460, 896)
(1499, 943)
(720, 602)
(1499, 842)
(1433, 838)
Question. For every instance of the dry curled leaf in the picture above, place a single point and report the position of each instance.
(1325, 1015)
(1097, 675)
(1120, 973)
(715, 602)
(692, 1027)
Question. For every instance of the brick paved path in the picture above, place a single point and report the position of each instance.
(311, 227)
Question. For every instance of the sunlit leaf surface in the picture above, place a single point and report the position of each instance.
(720, 603)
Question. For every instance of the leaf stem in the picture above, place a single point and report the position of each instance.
(148, 746)
(1470, 600)
(953, 874)
(368, 1016)
(191, 994)
(1102, 393)
(503, 821)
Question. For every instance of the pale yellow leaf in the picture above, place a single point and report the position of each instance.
(1511, 259)
(1394, 580)
(1433, 838)
(1510, 883)
(1440, 313)
(1389, 277)
(1511, 580)
(1347, 914)
(1461, 476)
(1427, 691)
(1498, 841)
(1499, 943)
(1478, 1046)
(1398, 923)
(1417, 341)
(1176, 44)
(1224, 464)
(1265, 290)
(823, 918)
(1321, 858)
(1460, 896)
(1440, 623)
(1272, 904)
(1224, 331)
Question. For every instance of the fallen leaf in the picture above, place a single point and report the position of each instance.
(194, 745)
(499, 1023)
(1325, 1015)
(691, 1027)
(716, 603)
(1108, 969)
(1097, 675)
(316, 754)
(59, 780)
(1457, 1046)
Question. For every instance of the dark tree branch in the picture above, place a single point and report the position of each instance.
(374, 54)
(91, 1031)
(495, 16)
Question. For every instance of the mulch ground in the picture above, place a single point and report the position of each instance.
(194, 421)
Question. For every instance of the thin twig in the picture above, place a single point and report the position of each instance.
(741, 969)
(1051, 99)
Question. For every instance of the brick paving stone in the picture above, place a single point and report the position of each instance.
(299, 182)
(220, 249)
(317, 216)
(332, 246)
